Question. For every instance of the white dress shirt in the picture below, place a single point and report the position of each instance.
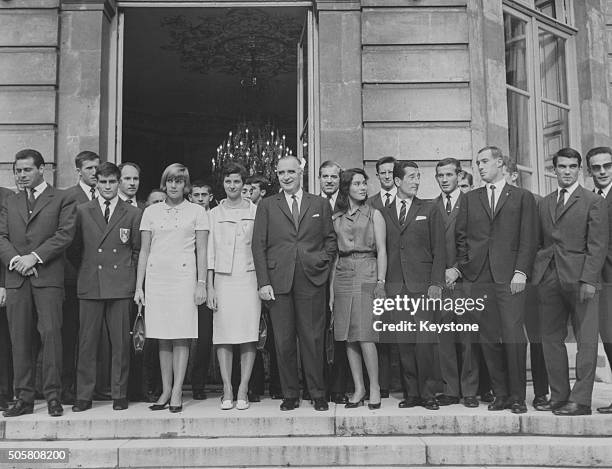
(126, 199)
(87, 190)
(605, 190)
(298, 196)
(111, 207)
(332, 199)
(570, 190)
(454, 197)
(383, 195)
(398, 206)
(499, 187)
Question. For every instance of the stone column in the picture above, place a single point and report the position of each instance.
(84, 45)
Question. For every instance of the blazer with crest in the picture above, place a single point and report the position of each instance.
(108, 253)
(48, 231)
(578, 239)
(277, 243)
(416, 252)
(449, 226)
(506, 240)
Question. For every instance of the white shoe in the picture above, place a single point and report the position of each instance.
(227, 404)
(242, 404)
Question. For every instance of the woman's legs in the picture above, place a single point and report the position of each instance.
(225, 355)
(165, 365)
(370, 357)
(180, 355)
(247, 359)
(354, 358)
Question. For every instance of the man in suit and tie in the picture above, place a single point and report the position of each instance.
(86, 163)
(294, 244)
(129, 183)
(36, 227)
(599, 163)
(416, 262)
(573, 245)
(107, 243)
(495, 236)
(6, 365)
(458, 380)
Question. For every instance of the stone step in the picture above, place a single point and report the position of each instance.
(407, 451)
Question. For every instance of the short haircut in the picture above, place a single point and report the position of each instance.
(234, 168)
(510, 164)
(567, 152)
(29, 153)
(201, 183)
(495, 151)
(175, 171)
(260, 180)
(129, 163)
(597, 151)
(467, 175)
(108, 169)
(290, 157)
(85, 156)
(329, 164)
(449, 161)
(384, 160)
(399, 166)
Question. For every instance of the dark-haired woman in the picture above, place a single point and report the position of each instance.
(358, 278)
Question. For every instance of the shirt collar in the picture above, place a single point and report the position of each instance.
(570, 190)
(40, 188)
(87, 189)
(454, 195)
(392, 191)
(113, 203)
(605, 190)
(298, 196)
(124, 197)
(499, 185)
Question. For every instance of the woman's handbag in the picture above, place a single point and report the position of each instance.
(138, 331)
(329, 341)
(263, 333)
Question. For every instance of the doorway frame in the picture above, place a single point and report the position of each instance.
(116, 58)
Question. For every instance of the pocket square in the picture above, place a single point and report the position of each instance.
(421, 217)
(315, 215)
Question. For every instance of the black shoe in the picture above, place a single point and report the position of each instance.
(499, 403)
(338, 398)
(81, 406)
(445, 400)
(68, 397)
(605, 410)
(573, 409)
(175, 409)
(19, 408)
(120, 404)
(431, 404)
(353, 405)
(539, 401)
(518, 407)
(290, 403)
(487, 397)
(550, 406)
(374, 406)
(159, 406)
(199, 395)
(410, 401)
(55, 408)
(384, 393)
(252, 397)
(321, 404)
(3, 403)
(470, 401)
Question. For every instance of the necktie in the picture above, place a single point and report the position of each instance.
(388, 202)
(92, 191)
(107, 211)
(402, 215)
(449, 206)
(560, 203)
(492, 201)
(295, 211)
(600, 192)
(31, 200)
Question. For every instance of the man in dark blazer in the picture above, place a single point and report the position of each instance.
(6, 365)
(458, 380)
(599, 163)
(573, 243)
(416, 259)
(294, 244)
(107, 243)
(86, 163)
(496, 242)
(36, 227)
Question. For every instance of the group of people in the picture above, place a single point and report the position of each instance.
(79, 262)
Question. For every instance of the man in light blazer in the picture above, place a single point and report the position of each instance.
(294, 244)
(495, 234)
(573, 244)
(107, 243)
(36, 227)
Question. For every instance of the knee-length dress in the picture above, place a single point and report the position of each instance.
(171, 274)
(355, 276)
(236, 320)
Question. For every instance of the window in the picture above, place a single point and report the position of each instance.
(541, 110)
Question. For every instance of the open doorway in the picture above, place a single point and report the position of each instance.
(192, 75)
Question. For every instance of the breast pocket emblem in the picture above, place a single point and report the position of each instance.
(124, 235)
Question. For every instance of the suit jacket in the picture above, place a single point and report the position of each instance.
(49, 230)
(375, 202)
(449, 226)
(507, 241)
(108, 253)
(78, 195)
(277, 243)
(4, 194)
(416, 252)
(607, 268)
(578, 239)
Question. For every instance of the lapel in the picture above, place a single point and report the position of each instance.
(282, 204)
(305, 205)
(22, 206)
(442, 207)
(96, 214)
(41, 202)
(482, 195)
(609, 196)
(412, 211)
(392, 212)
(503, 197)
(551, 201)
(571, 201)
(114, 219)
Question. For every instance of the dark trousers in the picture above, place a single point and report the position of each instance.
(384, 365)
(151, 372)
(605, 319)
(21, 304)
(300, 313)
(201, 359)
(6, 361)
(70, 338)
(113, 315)
(336, 374)
(502, 335)
(539, 375)
(558, 302)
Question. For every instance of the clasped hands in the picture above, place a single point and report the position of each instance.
(25, 265)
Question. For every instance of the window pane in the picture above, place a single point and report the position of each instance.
(548, 7)
(518, 128)
(552, 67)
(516, 61)
(556, 132)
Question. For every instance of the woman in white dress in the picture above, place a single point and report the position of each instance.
(172, 266)
(232, 284)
